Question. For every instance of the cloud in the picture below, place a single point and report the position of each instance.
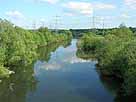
(79, 7)
(69, 14)
(86, 8)
(130, 3)
(52, 66)
(15, 14)
(78, 60)
(42, 20)
(125, 16)
(74, 59)
(49, 1)
(103, 6)
(17, 18)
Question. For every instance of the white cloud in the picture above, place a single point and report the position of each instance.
(125, 16)
(52, 66)
(57, 66)
(87, 8)
(42, 20)
(17, 18)
(69, 14)
(79, 7)
(15, 14)
(103, 6)
(78, 60)
(130, 3)
(49, 1)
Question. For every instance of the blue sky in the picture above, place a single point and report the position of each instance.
(70, 13)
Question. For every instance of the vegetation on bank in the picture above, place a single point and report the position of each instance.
(116, 55)
(18, 45)
(78, 33)
(24, 81)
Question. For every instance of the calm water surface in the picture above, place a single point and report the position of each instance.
(63, 78)
(66, 78)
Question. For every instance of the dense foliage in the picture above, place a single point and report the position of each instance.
(116, 55)
(78, 33)
(18, 45)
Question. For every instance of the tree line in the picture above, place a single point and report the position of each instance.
(77, 33)
(116, 55)
(18, 45)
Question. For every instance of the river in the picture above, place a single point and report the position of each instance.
(62, 77)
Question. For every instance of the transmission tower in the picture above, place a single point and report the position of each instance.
(57, 20)
(50, 26)
(42, 23)
(93, 24)
(103, 25)
(34, 25)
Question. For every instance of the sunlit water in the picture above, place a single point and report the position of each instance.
(67, 78)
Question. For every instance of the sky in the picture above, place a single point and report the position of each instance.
(69, 14)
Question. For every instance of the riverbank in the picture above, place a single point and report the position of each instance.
(116, 55)
(20, 45)
(55, 73)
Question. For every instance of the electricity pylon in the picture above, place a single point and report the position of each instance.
(57, 20)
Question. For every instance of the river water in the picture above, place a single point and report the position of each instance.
(61, 77)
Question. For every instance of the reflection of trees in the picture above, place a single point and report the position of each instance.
(18, 85)
(113, 85)
(44, 52)
(120, 98)
(66, 43)
(110, 83)
(83, 55)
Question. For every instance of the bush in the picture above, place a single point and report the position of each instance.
(20, 45)
(116, 54)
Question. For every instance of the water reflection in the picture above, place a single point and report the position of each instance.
(67, 78)
(59, 76)
(111, 84)
(18, 85)
(60, 60)
(44, 52)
